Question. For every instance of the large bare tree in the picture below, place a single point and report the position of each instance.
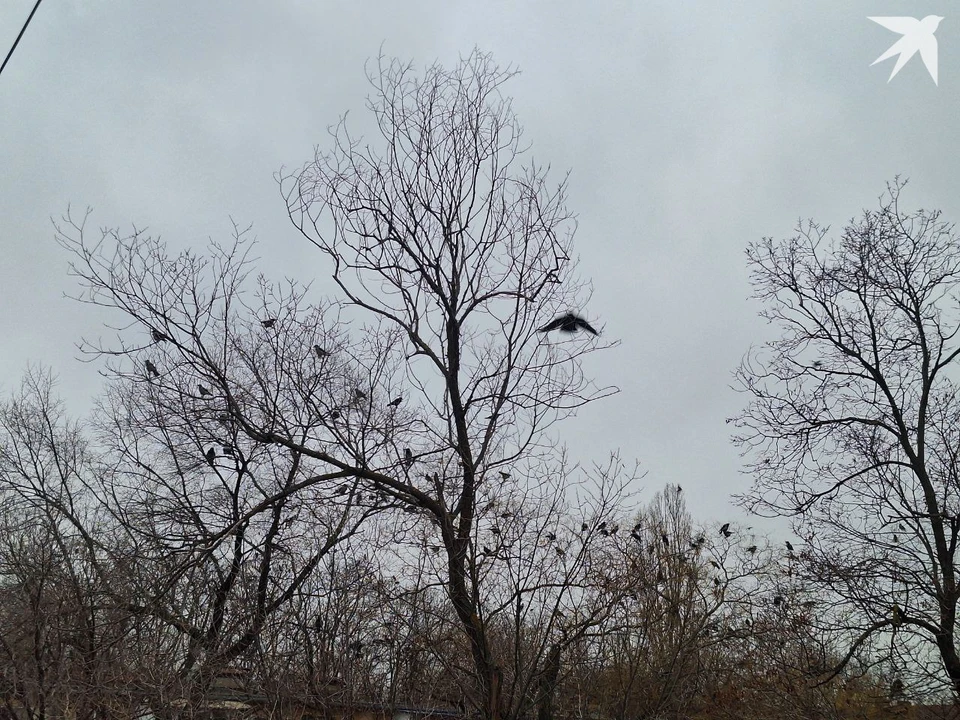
(460, 255)
(852, 427)
(234, 415)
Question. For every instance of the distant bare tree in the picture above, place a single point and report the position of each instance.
(854, 426)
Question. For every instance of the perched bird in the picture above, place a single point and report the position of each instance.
(777, 600)
(666, 540)
(551, 537)
(487, 551)
(715, 564)
(789, 546)
(568, 323)
(211, 456)
(504, 475)
(559, 550)
(408, 457)
(359, 394)
(602, 526)
(152, 369)
(395, 402)
(495, 530)
(584, 527)
(896, 616)
(268, 323)
(203, 391)
(752, 549)
(159, 336)
(321, 353)
(335, 415)
(725, 530)
(896, 688)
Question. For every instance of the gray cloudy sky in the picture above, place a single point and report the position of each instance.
(690, 129)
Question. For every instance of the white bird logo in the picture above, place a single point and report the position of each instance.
(917, 35)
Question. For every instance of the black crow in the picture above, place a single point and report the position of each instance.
(203, 391)
(359, 394)
(584, 527)
(896, 618)
(504, 475)
(666, 540)
(159, 336)
(568, 323)
(211, 456)
(269, 323)
(789, 546)
(395, 402)
(551, 537)
(408, 457)
(152, 369)
(335, 415)
(752, 549)
(777, 600)
(321, 353)
(725, 530)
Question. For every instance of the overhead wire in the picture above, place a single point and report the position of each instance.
(17, 41)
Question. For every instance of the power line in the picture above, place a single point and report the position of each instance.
(22, 30)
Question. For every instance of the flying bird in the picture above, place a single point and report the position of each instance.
(321, 353)
(269, 322)
(569, 324)
(152, 369)
(395, 402)
(159, 336)
(211, 456)
(725, 530)
(918, 35)
(203, 391)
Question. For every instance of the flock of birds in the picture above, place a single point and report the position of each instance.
(568, 323)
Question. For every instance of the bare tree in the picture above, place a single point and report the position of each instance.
(852, 428)
(460, 256)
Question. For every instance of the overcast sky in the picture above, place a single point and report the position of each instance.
(689, 129)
